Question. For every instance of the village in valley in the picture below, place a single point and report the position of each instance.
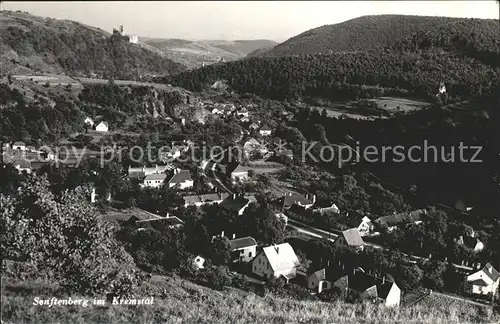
(302, 241)
(240, 188)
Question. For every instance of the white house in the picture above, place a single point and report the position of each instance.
(353, 220)
(243, 249)
(198, 262)
(484, 281)
(349, 239)
(265, 130)
(154, 180)
(283, 218)
(19, 146)
(88, 121)
(317, 281)
(181, 179)
(102, 127)
(242, 113)
(252, 145)
(239, 174)
(276, 261)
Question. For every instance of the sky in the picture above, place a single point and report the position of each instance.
(230, 20)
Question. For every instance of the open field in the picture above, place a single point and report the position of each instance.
(389, 104)
(403, 103)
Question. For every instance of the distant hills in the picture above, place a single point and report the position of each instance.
(368, 57)
(194, 53)
(31, 44)
(367, 32)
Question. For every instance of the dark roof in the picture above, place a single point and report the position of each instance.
(181, 176)
(468, 241)
(361, 282)
(491, 272)
(479, 282)
(21, 163)
(296, 198)
(265, 128)
(234, 204)
(383, 289)
(320, 274)
(401, 218)
(242, 242)
(156, 176)
(136, 175)
(349, 219)
(342, 282)
(352, 237)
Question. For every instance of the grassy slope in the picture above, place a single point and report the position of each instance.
(180, 301)
(194, 53)
(37, 44)
(358, 34)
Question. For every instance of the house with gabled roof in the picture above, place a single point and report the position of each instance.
(276, 261)
(470, 242)
(181, 179)
(206, 199)
(253, 126)
(239, 173)
(347, 220)
(484, 281)
(265, 130)
(19, 146)
(392, 222)
(199, 262)
(370, 288)
(349, 239)
(154, 180)
(292, 198)
(237, 203)
(102, 127)
(317, 282)
(243, 249)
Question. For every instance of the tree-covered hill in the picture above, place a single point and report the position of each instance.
(364, 33)
(463, 53)
(37, 44)
(348, 75)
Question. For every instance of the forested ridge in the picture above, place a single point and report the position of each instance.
(49, 45)
(348, 75)
(370, 32)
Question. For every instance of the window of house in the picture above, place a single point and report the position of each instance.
(249, 254)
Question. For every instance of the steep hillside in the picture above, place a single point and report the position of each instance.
(194, 53)
(35, 44)
(180, 301)
(358, 34)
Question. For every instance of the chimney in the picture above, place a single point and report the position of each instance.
(234, 236)
(167, 215)
(234, 196)
(222, 234)
(383, 280)
(277, 248)
(314, 199)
